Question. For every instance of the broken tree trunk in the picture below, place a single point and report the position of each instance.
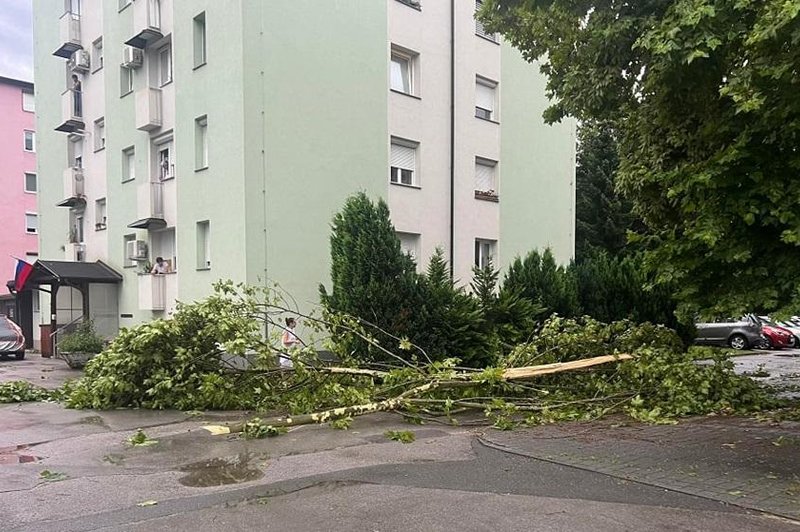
(398, 401)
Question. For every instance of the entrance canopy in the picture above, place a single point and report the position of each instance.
(75, 273)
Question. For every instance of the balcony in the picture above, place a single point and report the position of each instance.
(150, 207)
(73, 189)
(148, 109)
(157, 292)
(71, 111)
(69, 26)
(146, 23)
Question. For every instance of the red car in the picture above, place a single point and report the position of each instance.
(777, 336)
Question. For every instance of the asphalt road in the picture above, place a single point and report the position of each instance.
(313, 478)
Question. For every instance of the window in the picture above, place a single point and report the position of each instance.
(485, 99)
(165, 65)
(479, 29)
(201, 143)
(30, 141)
(163, 245)
(403, 70)
(403, 162)
(409, 243)
(100, 214)
(200, 40)
(99, 134)
(97, 54)
(76, 227)
(31, 223)
(31, 183)
(128, 164)
(485, 178)
(72, 6)
(484, 252)
(125, 81)
(127, 262)
(28, 103)
(203, 245)
(166, 168)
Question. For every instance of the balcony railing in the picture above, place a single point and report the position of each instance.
(74, 193)
(69, 26)
(153, 291)
(71, 111)
(150, 207)
(148, 109)
(146, 23)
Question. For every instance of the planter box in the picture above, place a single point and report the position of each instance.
(76, 360)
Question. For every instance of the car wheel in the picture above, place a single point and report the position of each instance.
(20, 355)
(738, 342)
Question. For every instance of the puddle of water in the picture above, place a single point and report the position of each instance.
(220, 471)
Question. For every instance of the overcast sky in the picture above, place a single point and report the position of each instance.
(16, 39)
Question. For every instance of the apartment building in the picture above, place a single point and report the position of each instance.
(223, 135)
(19, 219)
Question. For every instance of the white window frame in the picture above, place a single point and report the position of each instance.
(396, 169)
(203, 229)
(200, 42)
(28, 101)
(480, 31)
(485, 249)
(486, 189)
(165, 74)
(35, 229)
(100, 214)
(25, 141)
(128, 164)
(25, 182)
(165, 165)
(399, 56)
(481, 111)
(201, 143)
(100, 134)
(410, 243)
(97, 55)
(125, 81)
(126, 261)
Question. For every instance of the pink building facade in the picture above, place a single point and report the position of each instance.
(19, 184)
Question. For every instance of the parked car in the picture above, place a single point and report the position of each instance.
(12, 342)
(739, 334)
(794, 328)
(777, 337)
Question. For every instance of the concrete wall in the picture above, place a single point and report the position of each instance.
(538, 205)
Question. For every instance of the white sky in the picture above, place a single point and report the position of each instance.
(16, 39)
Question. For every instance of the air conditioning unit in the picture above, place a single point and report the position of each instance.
(136, 250)
(79, 61)
(132, 57)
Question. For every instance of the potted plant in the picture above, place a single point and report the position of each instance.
(79, 346)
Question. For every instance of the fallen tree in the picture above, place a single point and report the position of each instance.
(571, 369)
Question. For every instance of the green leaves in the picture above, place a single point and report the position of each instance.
(21, 392)
(702, 97)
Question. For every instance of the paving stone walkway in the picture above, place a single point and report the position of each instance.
(739, 461)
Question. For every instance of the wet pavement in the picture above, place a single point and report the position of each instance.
(64, 470)
(45, 372)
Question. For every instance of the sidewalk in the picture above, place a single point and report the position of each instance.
(739, 461)
(46, 372)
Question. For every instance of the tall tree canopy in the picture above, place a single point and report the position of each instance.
(705, 98)
(602, 216)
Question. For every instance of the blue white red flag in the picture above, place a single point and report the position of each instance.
(21, 275)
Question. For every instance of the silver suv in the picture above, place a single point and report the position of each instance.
(739, 334)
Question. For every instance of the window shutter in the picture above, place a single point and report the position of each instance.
(484, 96)
(484, 177)
(404, 157)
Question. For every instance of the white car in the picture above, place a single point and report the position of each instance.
(12, 342)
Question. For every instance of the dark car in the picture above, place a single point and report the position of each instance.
(12, 342)
(738, 334)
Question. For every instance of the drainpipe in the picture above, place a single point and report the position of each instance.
(452, 131)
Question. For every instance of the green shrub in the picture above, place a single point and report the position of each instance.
(83, 340)
(539, 279)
